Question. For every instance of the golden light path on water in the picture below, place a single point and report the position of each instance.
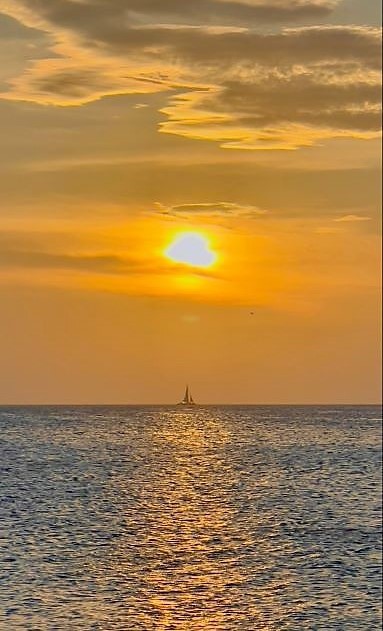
(193, 577)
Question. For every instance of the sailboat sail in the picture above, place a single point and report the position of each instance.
(188, 399)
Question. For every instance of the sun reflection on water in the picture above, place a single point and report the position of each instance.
(189, 548)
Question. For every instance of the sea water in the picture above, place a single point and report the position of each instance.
(205, 518)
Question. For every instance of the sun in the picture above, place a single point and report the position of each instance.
(191, 248)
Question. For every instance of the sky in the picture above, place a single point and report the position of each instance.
(252, 125)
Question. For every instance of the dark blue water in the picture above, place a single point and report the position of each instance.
(212, 518)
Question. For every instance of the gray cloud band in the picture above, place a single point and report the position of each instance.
(90, 14)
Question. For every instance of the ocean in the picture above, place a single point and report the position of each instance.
(213, 518)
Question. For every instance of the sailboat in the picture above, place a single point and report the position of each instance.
(188, 399)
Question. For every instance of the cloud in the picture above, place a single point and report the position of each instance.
(281, 112)
(218, 209)
(19, 249)
(105, 264)
(352, 218)
(108, 271)
(24, 251)
(240, 87)
(114, 14)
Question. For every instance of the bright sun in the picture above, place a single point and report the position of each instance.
(191, 248)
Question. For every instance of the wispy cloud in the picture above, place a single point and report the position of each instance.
(102, 263)
(217, 209)
(352, 218)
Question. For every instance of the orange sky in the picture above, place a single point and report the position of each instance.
(253, 124)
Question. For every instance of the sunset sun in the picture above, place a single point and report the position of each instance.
(191, 248)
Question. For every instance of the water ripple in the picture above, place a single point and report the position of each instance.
(213, 519)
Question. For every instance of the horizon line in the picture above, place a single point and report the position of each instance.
(379, 403)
